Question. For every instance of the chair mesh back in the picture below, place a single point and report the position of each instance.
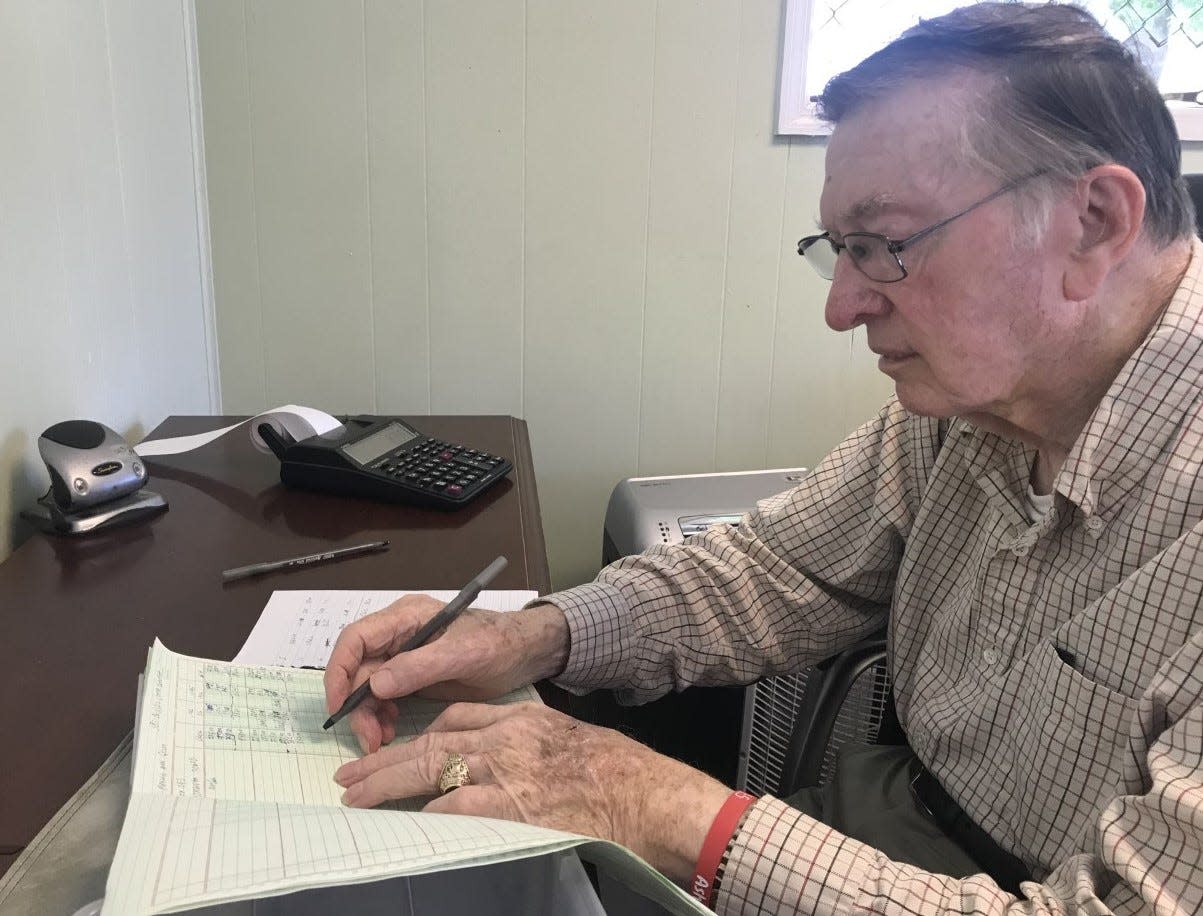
(772, 709)
(860, 716)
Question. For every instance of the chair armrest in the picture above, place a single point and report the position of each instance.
(820, 706)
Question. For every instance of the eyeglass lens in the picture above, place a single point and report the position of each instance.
(870, 253)
(821, 255)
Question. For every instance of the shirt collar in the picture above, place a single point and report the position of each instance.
(1002, 468)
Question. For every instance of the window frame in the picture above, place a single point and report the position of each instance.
(796, 115)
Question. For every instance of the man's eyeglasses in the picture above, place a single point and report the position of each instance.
(879, 257)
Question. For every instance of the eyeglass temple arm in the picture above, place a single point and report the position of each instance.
(896, 247)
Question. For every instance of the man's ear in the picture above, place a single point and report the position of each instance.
(1110, 210)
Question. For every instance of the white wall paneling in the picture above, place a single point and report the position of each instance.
(103, 258)
(570, 211)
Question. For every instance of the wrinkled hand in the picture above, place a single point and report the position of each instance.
(533, 764)
(481, 655)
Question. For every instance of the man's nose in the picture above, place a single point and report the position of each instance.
(853, 298)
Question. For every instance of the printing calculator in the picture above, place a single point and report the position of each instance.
(386, 458)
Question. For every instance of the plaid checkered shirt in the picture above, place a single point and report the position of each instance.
(1050, 674)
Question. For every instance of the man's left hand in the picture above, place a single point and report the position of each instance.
(533, 764)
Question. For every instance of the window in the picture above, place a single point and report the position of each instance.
(825, 37)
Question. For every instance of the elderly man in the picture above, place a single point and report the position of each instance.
(1004, 215)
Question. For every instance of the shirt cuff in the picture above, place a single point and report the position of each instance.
(599, 625)
(785, 859)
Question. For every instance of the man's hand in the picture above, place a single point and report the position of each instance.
(533, 764)
(481, 655)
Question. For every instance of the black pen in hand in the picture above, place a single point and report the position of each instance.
(450, 611)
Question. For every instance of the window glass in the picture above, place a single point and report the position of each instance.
(825, 37)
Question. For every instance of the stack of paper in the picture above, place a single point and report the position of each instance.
(299, 629)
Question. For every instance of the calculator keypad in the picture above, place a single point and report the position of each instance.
(440, 467)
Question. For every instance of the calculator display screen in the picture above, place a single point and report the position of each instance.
(369, 448)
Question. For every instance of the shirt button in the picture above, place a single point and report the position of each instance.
(1021, 549)
(990, 657)
(1094, 524)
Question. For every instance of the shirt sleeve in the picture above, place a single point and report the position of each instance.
(807, 573)
(1147, 855)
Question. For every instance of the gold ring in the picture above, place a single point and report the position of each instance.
(454, 774)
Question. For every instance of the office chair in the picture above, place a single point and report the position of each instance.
(846, 698)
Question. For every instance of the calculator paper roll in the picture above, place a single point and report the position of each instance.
(298, 422)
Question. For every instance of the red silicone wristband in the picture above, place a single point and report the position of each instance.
(716, 844)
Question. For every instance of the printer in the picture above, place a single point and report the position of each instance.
(737, 734)
(645, 511)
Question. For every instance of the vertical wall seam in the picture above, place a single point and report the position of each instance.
(201, 182)
(367, 169)
(426, 205)
(722, 312)
(647, 241)
(522, 231)
(768, 426)
(264, 343)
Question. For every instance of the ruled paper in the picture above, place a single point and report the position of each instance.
(233, 799)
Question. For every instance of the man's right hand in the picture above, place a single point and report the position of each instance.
(481, 655)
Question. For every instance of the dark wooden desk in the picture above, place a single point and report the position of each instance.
(78, 614)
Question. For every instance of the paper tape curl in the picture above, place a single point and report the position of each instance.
(299, 422)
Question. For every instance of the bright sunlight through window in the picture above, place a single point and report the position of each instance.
(824, 37)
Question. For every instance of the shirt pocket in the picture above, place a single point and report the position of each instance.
(1069, 733)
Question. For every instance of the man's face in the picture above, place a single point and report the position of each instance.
(971, 329)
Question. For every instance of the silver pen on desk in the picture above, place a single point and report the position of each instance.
(257, 569)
